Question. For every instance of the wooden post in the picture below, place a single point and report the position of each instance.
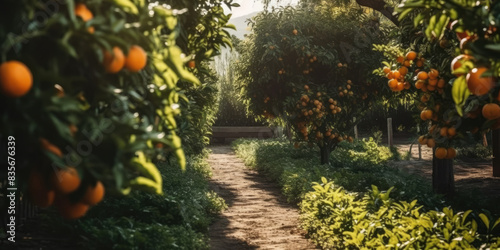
(443, 179)
(485, 140)
(419, 146)
(496, 152)
(389, 132)
(355, 128)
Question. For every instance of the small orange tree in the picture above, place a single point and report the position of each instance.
(311, 72)
(89, 87)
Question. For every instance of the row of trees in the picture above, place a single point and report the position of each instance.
(93, 92)
(313, 73)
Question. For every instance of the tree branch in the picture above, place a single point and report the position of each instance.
(380, 6)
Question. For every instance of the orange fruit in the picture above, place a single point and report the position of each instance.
(114, 62)
(441, 83)
(400, 86)
(411, 55)
(452, 132)
(422, 75)
(39, 191)
(386, 70)
(443, 131)
(83, 12)
(424, 98)
(396, 74)
(420, 63)
(407, 85)
(136, 59)
(432, 82)
(15, 79)
(407, 63)
(306, 87)
(419, 84)
(70, 210)
(479, 85)
(431, 143)
(400, 59)
(491, 111)
(66, 180)
(441, 153)
(94, 195)
(423, 116)
(393, 83)
(47, 146)
(433, 74)
(428, 114)
(192, 65)
(452, 153)
(295, 32)
(431, 87)
(403, 70)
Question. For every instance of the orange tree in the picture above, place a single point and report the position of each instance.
(90, 93)
(311, 72)
(476, 65)
(453, 94)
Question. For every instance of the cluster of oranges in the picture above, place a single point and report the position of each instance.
(346, 91)
(60, 188)
(430, 81)
(396, 77)
(445, 153)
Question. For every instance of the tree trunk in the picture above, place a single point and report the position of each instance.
(325, 154)
(443, 181)
(496, 152)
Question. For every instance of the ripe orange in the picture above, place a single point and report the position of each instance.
(411, 55)
(70, 210)
(432, 82)
(491, 111)
(427, 114)
(420, 63)
(441, 83)
(83, 12)
(114, 62)
(479, 85)
(47, 146)
(422, 140)
(192, 65)
(15, 79)
(431, 87)
(422, 75)
(452, 132)
(424, 98)
(419, 84)
(39, 191)
(400, 86)
(407, 63)
(396, 74)
(443, 131)
(452, 153)
(403, 70)
(441, 153)
(295, 32)
(94, 195)
(136, 59)
(393, 83)
(433, 74)
(386, 70)
(400, 59)
(306, 87)
(431, 143)
(66, 181)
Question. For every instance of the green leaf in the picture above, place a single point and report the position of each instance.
(485, 220)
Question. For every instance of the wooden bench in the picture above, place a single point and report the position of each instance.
(221, 133)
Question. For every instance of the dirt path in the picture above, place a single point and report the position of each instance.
(258, 217)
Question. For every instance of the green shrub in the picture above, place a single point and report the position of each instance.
(337, 219)
(475, 152)
(179, 219)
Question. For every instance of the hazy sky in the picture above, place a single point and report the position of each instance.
(249, 6)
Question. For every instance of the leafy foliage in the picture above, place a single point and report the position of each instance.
(336, 218)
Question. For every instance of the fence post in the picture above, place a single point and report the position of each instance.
(389, 132)
(355, 128)
(419, 146)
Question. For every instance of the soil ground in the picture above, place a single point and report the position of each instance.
(258, 216)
